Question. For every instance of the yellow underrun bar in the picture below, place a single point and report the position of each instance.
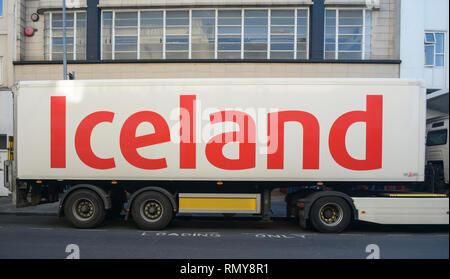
(419, 195)
(219, 204)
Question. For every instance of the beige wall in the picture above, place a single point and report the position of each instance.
(383, 47)
(365, 3)
(384, 40)
(45, 4)
(119, 3)
(179, 70)
(34, 45)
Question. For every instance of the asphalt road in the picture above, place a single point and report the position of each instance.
(216, 238)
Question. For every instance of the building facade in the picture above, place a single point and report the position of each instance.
(7, 36)
(424, 49)
(117, 39)
(213, 38)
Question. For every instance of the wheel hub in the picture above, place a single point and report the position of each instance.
(85, 209)
(152, 210)
(331, 214)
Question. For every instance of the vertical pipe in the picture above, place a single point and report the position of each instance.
(64, 41)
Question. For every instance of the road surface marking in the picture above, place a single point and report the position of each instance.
(41, 228)
(276, 235)
(299, 235)
(183, 234)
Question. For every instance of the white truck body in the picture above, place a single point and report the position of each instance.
(221, 146)
(401, 129)
(403, 211)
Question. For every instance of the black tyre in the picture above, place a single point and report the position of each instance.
(84, 209)
(152, 211)
(330, 215)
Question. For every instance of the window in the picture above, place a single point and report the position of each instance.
(75, 36)
(125, 35)
(1, 7)
(203, 30)
(151, 35)
(1, 70)
(229, 34)
(282, 34)
(3, 141)
(438, 137)
(107, 35)
(434, 49)
(255, 34)
(347, 34)
(302, 34)
(205, 34)
(177, 34)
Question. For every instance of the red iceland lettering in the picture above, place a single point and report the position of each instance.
(311, 130)
(187, 132)
(83, 140)
(245, 136)
(58, 132)
(129, 142)
(373, 117)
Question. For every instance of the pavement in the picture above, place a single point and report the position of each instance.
(7, 208)
(51, 209)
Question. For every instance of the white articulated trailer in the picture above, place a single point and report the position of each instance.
(156, 147)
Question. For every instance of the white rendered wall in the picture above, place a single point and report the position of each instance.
(418, 16)
(6, 113)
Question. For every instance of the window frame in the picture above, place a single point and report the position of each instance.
(216, 35)
(336, 35)
(433, 44)
(215, 12)
(1, 70)
(139, 42)
(74, 37)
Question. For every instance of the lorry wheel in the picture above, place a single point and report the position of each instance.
(330, 215)
(152, 211)
(84, 209)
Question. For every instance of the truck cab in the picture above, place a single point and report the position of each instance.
(436, 153)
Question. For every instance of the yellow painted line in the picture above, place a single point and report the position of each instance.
(211, 203)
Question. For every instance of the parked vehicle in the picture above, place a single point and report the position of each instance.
(158, 147)
(437, 153)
